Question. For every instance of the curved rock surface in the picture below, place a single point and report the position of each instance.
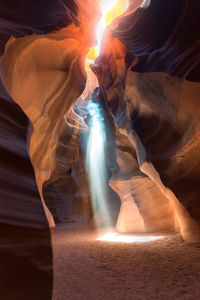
(42, 70)
(44, 87)
(25, 242)
(164, 36)
(149, 70)
(159, 114)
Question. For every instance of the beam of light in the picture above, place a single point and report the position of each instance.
(145, 3)
(110, 9)
(115, 237)
(95, 155)
(126, 4)
(96, 163)
(105, 8)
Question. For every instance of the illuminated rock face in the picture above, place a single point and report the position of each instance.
(144, 208)
(168, 131)
(43, 72)
(158, 113)
(50, 77)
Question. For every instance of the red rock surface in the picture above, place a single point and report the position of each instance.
(148, 70)
(41, 70)
(158, 114)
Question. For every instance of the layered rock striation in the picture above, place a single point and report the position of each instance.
(149, 69)
(43, 46)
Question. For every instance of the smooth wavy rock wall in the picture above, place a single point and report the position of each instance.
(25, 242)
(43, 46)
(149, 69)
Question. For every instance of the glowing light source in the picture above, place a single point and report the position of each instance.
(115, 237)
(110, 9)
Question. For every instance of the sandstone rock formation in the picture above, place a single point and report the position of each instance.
(159, 114)
(25, 242)
(148, 69)
(42, 71)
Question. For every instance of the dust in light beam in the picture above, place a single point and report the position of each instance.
(96, 146)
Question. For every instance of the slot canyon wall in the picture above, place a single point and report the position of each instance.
(43, 49)
(149, 70)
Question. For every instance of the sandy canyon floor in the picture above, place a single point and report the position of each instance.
(90, 269)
